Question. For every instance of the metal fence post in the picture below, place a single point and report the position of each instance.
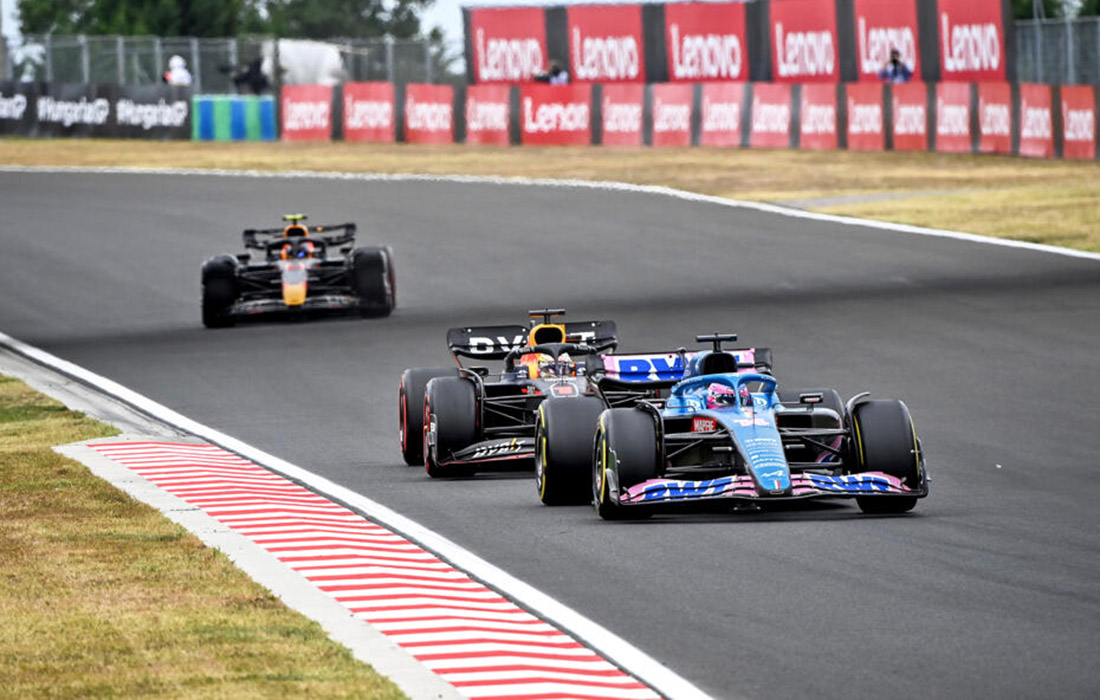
(49, 58)
(1071, 62)
(196, 67)
(389, 58)
(428, 62)
(158, 58)
(85, 59)
(121, 51)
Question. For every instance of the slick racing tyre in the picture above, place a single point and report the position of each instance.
(450, 423)
(219, 291)
(626, 449)
(564, 429)
(410, 410)
(373, 280)
(883, 440)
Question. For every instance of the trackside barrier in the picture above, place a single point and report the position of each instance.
(108, 111)
(233, 118)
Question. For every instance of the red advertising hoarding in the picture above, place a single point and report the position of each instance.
(672, 114)
(804, 41)
(622, 114)
(972, 40)
(487, 108)
(306, 112)
(721, 119)
(910, 108)
(509, 43)
(866, 122)
(1078, 122)
(884, 25)
(557, 115)
(817, 129)
(771, 116)
(994, 118)
(953, 117)
(605, 43)
(1036, 121)
(368, 112)
(706, 41)
(429, 113)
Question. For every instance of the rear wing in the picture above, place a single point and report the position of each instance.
(663, 369)
(261, 238)
(495, 342)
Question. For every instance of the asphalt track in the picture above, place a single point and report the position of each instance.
(991, 588)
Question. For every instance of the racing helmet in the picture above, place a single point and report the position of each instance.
(561, 367)
(297, 251)
(722, 396)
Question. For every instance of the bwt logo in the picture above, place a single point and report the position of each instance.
(819, 119)
(909, 120)
(554, 116)
(621, 118)
(427, 116)
(486, 116)
(13, 107)
(721, 116)
(952, 120)
(1080, 124)
(969, 47)
(864, 118)
(770, 118)
(300, 116)
(367, 114)
(605, 57)
(1035, 122)
(875, 46)
(995, 118)
(804, 53)
(671, 117)
(655, 367)
(697, 56)
(508, 59)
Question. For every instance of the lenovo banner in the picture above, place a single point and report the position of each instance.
(721, 118)
(605, 43)
(369, 112)
(804, 41)
(556, 114)
(621, 107)
(994, 118)
(672, 114)
(953, 117)
(866, 122)
(307, 112)
(881, 27)
(817, 129)
(1078, 122)
(909, 105)
(509, 44)
(972, 40)
(487, 114)
(771, 116)
(706, 41)
(429, 113)
(1036, 121)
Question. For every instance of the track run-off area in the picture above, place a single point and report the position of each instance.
(990, 588)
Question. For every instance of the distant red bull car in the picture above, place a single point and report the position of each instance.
(302, 270)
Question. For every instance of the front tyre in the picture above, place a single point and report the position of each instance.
(883, 440)
(564, 429)
(219, 291)
(410, 410)
(450, 422)
(626, 454)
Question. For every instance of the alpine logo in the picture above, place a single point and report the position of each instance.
(721, 116)
(606, 57)
(303, 116)
(804, 53)
(13, 107)
(367, 114)
(621, 117)
(513, 60)
(969, 47)
(1080, 124)
(486, 116)
(554, 116)
(1035, 122)
(67, 113)
(952, 119)
(711, 56)
(671, 117)
(875, 46)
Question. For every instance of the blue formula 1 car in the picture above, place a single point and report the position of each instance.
(725, 434)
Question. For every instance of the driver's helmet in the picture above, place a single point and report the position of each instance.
(561, 367)
(299, 250)
(722, 396)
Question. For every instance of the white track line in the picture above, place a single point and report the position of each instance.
(574, 184)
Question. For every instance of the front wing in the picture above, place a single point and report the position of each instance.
(741, 488)
(492, 451)
(274, 305)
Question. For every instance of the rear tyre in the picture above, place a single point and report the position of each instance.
(219, 291)
(373, 280)
(625, 449)
(410, 410)
(883, 440)
(564, 429)
(450, 417)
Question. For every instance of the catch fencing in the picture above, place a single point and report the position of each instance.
(1057, 51)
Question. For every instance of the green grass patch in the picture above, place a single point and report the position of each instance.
(101, 596)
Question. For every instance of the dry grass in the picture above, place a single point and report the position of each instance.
(1013, 197)
(101, 596)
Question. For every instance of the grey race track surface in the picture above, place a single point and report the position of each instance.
(991, 588)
